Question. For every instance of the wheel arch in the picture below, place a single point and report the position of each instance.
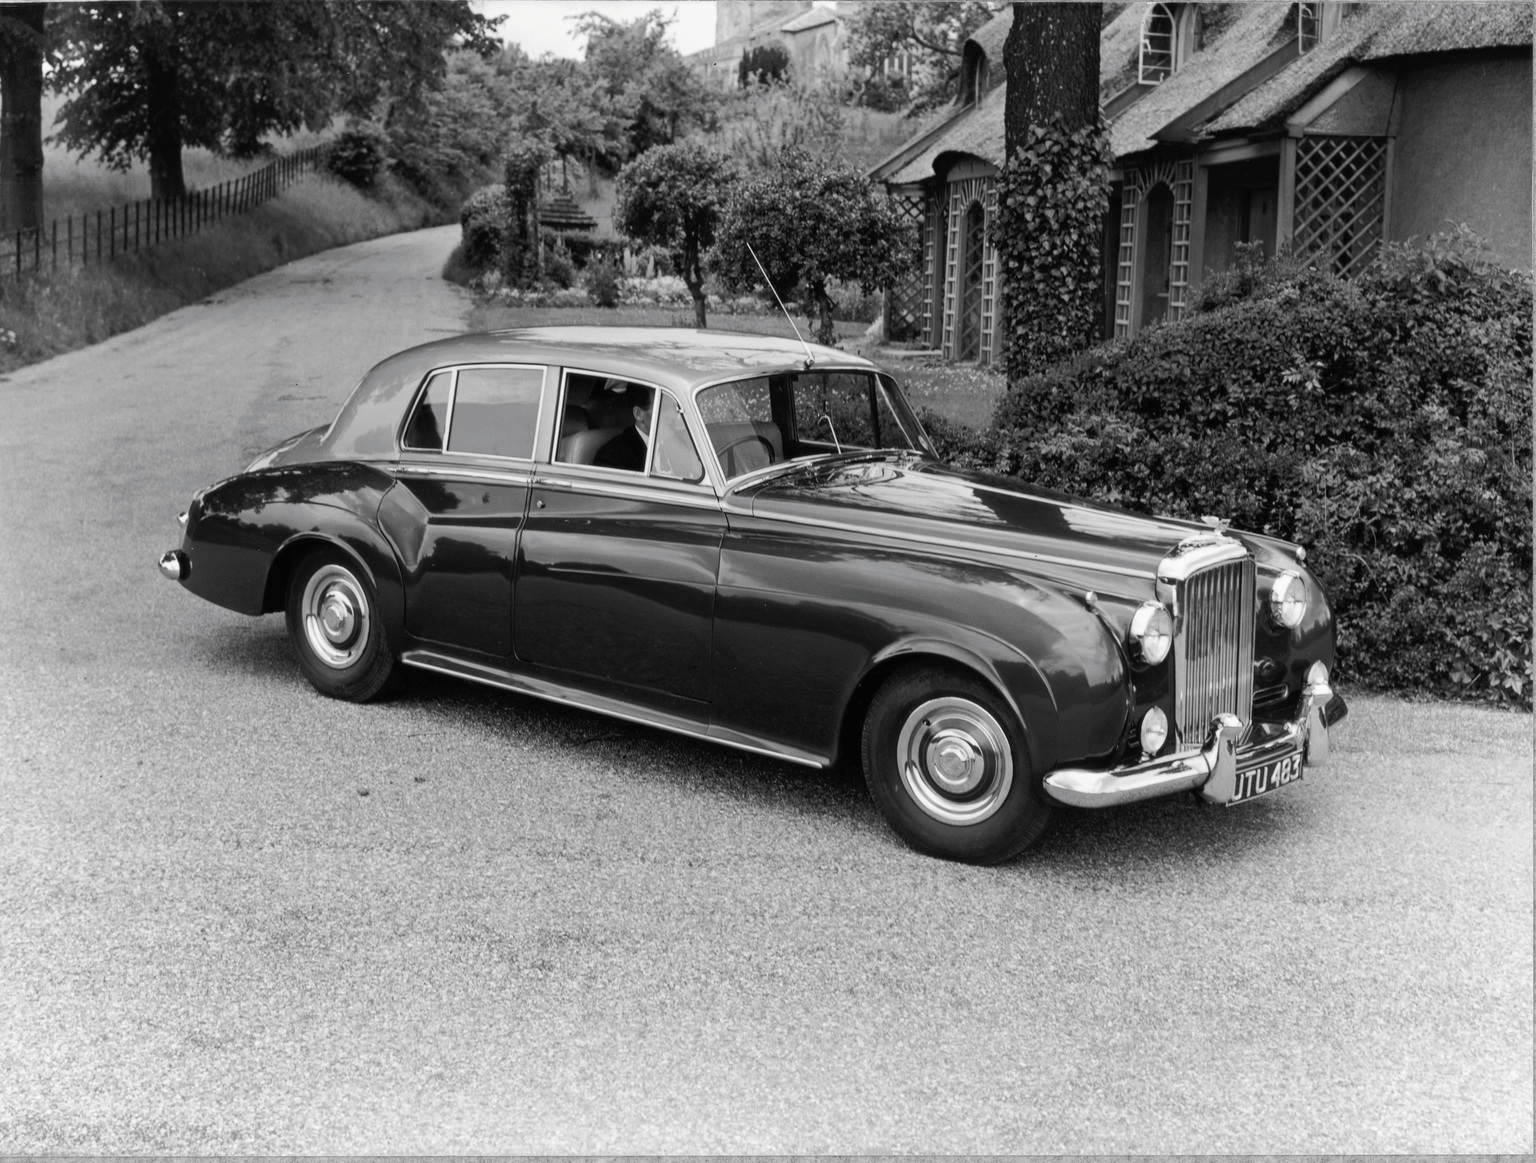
(367, 550)
(1024, 690)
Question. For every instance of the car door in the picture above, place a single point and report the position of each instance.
(454, 516)
(616, 566)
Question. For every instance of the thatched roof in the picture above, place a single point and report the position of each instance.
(1377, 32)
(1254, 32)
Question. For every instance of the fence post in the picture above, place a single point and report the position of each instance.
(55, 246)
(69, 241)
(98, 236)
(37, 249)
(18, 254)
(112, 234)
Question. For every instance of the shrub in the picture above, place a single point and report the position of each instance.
(1384, 423)
(483, 218)
(358, 156)
(559, 270)
(604, 284)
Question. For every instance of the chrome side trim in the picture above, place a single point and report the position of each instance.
(671, 496)
(959, 546)
(554, 692)
(500, 478)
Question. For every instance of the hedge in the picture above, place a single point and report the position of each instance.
(1384, 423)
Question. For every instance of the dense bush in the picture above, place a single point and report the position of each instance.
(605, 283)
(1384, 423)
(483, 218)
(358, 156)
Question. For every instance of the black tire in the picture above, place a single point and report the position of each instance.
(968, 792)
(334, 625)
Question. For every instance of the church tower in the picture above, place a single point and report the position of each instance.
(739, 18)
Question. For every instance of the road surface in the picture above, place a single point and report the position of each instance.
(236, 917)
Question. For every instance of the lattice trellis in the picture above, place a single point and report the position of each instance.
(961, 195)
(905, 302)
(1178, 176)
(973, 250)
(991, 293)
(1341, 199)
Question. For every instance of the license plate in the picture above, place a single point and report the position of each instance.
(1253, 782)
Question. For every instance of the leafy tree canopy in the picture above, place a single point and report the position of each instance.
(645, 77)
(809, 221)
(153, 76)
(764, 63)
(931, 32)
(672, 197)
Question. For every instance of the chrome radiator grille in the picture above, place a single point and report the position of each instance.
(1213, 647)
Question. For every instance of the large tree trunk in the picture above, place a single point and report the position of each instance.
(1054, 189)
(162, 67)
(21, 116)
(693, 277)
(1052, 59)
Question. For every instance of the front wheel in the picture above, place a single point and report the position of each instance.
(945, 763)
(333, 622)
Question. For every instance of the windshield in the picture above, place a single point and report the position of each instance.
(766, 420)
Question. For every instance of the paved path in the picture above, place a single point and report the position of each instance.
(239, 918)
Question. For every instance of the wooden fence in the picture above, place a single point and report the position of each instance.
(127, 229)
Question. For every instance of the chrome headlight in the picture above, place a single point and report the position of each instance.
(1288, 600)
(1151, 633)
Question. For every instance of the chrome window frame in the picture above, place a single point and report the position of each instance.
(403, 449)
(643, 477)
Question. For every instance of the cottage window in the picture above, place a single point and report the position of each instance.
(1158, 41)
(1309, 26)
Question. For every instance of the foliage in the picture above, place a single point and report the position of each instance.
(931, 32)
(671, 197)
(808, 222)
(645, 78)
(884, 93)
(1052, 197)
(568, 106)
(358, 155)
(1384, 423)
(483, 219)
(604, 284)
(450, 141)
(764, 64)
(521, 250)
(150, 78)
(765, 120)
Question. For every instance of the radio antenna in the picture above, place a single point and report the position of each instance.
(809, 358)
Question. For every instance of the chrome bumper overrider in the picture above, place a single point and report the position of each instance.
(1212, 770)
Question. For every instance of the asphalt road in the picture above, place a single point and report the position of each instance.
(238, 917)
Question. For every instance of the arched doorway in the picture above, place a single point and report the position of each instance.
(973, 246)
(1156, 253)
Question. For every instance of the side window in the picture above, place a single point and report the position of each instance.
(675, 456)
(605, 422)
(496, 411)
(739, 420)
(430, 420)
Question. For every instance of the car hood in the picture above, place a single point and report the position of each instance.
(902, 498)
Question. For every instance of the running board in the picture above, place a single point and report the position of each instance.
(540, 688)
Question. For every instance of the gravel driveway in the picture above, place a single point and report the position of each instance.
(238, 918)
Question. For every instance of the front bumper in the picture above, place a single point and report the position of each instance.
(1211, 770)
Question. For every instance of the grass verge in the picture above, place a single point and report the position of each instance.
(51, 313)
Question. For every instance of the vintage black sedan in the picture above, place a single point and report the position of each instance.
(750, 540)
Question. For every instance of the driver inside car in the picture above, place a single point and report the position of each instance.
(627, 450)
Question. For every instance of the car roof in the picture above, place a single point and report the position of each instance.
(672, 357)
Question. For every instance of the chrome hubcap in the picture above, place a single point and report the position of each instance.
(956, 763)
(335, 616)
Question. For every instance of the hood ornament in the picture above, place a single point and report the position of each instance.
(1220, 524)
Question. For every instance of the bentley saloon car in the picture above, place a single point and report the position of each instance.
(752, 541)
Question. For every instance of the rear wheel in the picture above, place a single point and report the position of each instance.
(333, 622)
(945, 763)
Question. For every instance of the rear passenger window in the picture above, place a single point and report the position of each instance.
(430, 421)
(496, 411)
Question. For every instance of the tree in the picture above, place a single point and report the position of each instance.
(152, 77)
(21, 115)
(671, 197)
(645, 77)
(568, 107)
(765, 63)
(809, 222)
(931, 32)
(1053, 192)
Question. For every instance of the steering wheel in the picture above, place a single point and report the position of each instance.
(727, 452)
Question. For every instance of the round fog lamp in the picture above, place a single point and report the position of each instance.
(1154, 731)
(1151, 633)
(1288, 600)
